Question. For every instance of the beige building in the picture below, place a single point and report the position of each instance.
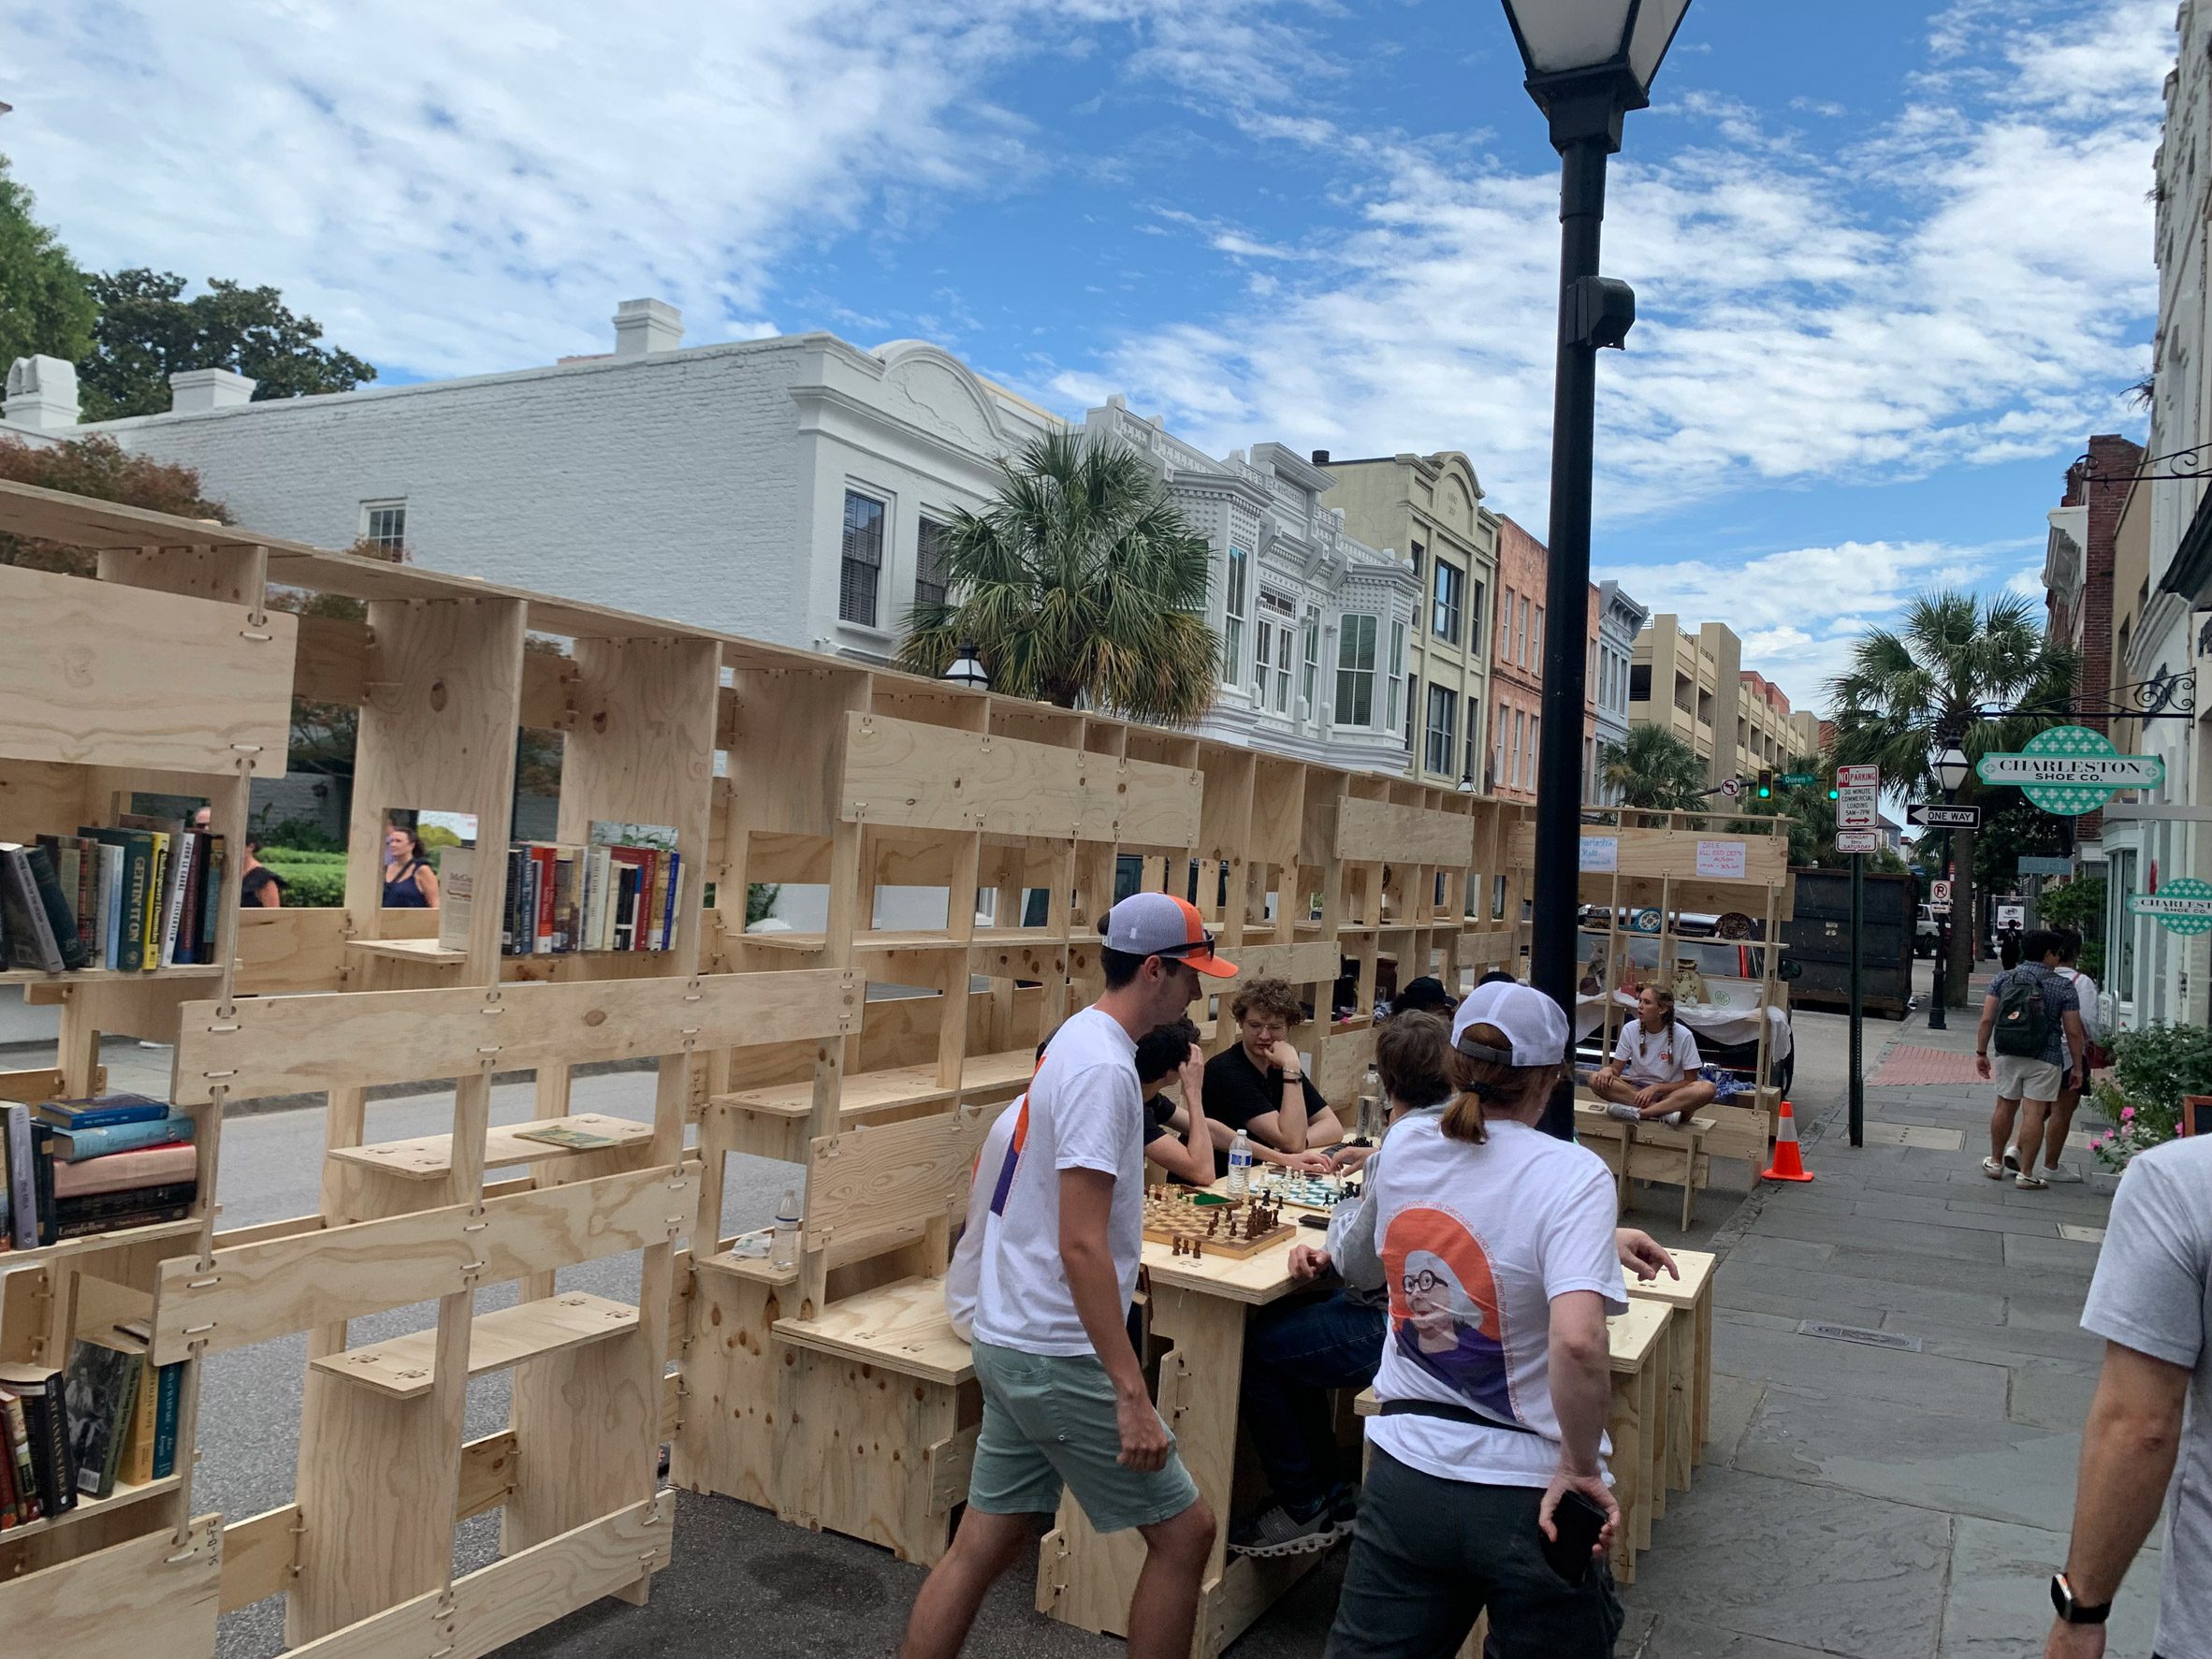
(1767, 732)
(1427, 509)
(1695, 685)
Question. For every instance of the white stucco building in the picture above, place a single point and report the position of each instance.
(1619, 619)
(1314, 623)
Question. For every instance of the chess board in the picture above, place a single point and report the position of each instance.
(1217, 1229)
(1312, 1192)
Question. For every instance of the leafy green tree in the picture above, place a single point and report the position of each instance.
(1079, 583)
(1910, 688)
(46, 304)
(100, 468)
(1811, 816)
(147, 331)
(1654, 769)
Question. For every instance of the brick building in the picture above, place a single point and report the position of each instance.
(1516, 665)
(2078, 578)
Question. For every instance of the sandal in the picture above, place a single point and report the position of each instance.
(1991, 1167)
(2027, 1182)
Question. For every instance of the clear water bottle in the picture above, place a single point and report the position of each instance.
(787, 1229)
(1369, 1129)
(1240, 1166)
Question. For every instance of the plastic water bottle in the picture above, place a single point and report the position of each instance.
(1370, 1124)
(787, 1229)
(1239, 1165)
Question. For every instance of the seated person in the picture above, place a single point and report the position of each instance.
(1653, 1072)
(1175, 1136)
(1296, 1351)
(1260, 1087)
(1425, 995)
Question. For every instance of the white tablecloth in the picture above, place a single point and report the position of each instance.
(1723, 1025)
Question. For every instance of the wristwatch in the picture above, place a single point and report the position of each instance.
(2071, 1612)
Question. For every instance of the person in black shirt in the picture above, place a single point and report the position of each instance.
(1425, 995)
(1260, 1087)
(258, 885)
(1174, 1137)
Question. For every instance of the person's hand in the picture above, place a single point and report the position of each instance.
(1592, 1486)
(1649, 1096)
(1982, 1066)
(1308, 1163)
(1643, 1255)
(1283, 1057)
(1143, 1436)
(1307, 1263)
(2074, 1641)
(1192, 1075)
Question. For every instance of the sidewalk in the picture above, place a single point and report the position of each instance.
(1877, 1501)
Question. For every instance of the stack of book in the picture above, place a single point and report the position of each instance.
(76, 1168)
(142, 896)
(621, 892)
(110, 1417)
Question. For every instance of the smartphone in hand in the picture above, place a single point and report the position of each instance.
(1578, 1521)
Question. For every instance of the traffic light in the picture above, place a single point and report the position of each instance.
(1834, 794)
(1766, 783)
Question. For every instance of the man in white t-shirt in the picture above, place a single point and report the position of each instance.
(2072, 1076)
(1653, 1072)
(1065, 1404)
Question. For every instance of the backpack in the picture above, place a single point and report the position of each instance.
(2023, 1029)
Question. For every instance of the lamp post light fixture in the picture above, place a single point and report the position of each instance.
(1589, 62)
(1466, 784)
(1950, 773)
(967, 668)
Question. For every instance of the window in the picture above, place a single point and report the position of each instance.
(929, 569)
(1262, 655)
(1412, 700)
(1535, 638)
(1506, 625)
(1232, 609)
(1312, 661)
(1355, 672)
(1444, 713)
(1639, 682)
(1475, 617)
(1271, 645)
(1416, 562)
(383, 524)
(862, 571)
(1444, 620)
(1282, 668)
(1397, 668)
(1533, 721)
(1473, 736)
(1497, 769)
(1519, 731)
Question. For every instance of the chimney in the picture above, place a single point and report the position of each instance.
(646, 326)
(1321, 458)
(41, 394)
(195, 391)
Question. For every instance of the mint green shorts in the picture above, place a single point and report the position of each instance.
(1049, 1423)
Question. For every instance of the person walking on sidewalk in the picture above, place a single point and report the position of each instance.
(1065, 1402)
(2074, 1073)
(2033, 1018)
(2149, 1437)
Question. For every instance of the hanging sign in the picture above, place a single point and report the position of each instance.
(2183, 904)
(2069, 770)
(1721, 860)
(1601, 854)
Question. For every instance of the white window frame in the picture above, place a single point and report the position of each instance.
(1355, 679)
(1448, 589)
(1283, 649)
(1535, 638)
(1442, 737)
(847, 562)
(923, 524)
(1397, 667)
(395, 545)
(1235, 604)
(1474, 599)
(1311, 679)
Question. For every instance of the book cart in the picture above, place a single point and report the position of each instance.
(832, 1390)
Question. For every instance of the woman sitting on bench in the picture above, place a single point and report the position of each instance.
(1653, 1072)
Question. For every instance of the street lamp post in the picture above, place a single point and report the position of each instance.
(1589, 62)
(1950, 773)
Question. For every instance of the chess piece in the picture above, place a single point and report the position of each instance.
(1197, 1248)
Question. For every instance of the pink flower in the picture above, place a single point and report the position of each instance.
(2127, 1114)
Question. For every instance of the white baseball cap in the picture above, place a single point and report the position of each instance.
(1161, 924)
(1535, 1027)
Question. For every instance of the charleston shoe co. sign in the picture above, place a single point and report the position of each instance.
(2069, 770)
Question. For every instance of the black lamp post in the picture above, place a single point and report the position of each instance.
(1589, 62)
(1950, 773)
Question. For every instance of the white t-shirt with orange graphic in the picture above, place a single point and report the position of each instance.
(1476, 1241)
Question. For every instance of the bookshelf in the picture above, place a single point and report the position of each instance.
(877, 1036)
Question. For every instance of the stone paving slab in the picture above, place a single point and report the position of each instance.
(2053, 1393)
(1674, 1638)
(1950, 1388)
(1948, 1241)
(1738, 1281)
(2029, 1251)
(1996, 1610)
(2009, 1346)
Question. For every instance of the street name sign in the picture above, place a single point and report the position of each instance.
(1858, 805)
(2069, 770)
(1797, 779)
(1867, 777)
(2183, 904)
(2031, 865)
(1857, 841)
(1929, 815)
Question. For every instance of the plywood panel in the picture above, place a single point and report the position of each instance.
(1369, 831)
(260, 1290)
(282, 1044)
(931, 778)
(1300, 964)
(883, 1176)
(153, 1594)
(1153, 805)
(98, 674)
(1653, 853)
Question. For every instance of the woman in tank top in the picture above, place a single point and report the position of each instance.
(409, 882)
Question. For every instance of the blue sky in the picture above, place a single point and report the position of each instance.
(1892, 260)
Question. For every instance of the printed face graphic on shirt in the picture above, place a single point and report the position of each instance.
(1444, 1307)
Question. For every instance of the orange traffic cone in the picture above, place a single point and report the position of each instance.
(1788, 1164)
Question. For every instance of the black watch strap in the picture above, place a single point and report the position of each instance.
(2071, 1612)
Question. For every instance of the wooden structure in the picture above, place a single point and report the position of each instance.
(830, 1391)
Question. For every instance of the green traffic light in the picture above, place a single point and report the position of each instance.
(1833, 796)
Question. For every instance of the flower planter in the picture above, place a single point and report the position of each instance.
(2104, 1181)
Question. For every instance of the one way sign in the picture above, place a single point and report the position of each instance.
(1929, 815)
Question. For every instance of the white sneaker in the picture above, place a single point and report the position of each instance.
(2060, 1174)
(1625, 1113)
(1673, 1120)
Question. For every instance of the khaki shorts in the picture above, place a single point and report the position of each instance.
(2022, 1077)
(1048, 1422)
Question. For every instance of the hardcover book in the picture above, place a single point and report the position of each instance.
(101, 1383)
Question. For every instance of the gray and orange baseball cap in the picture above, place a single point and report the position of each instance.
(1161, 924)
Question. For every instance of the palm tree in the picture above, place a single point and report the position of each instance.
(1654, 769)
(1081, 581)
(1909, 691)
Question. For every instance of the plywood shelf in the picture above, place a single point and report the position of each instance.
(91, 1244)
(121, 1498)
(869, 1092)
(430, 1158)
(33, 976)
(410, 950)
(405, 1367)
(759, 1269)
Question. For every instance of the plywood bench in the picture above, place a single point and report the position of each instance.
(1648, 1151)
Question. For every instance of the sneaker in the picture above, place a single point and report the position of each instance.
(1992, 1169)
(1625, 1113)
(2026, 1182)
(1673, 1120)
(1344, 1508)
(1275, 1530)
(2061, 1174)
(2012, 1160)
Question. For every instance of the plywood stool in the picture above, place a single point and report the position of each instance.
(1689, 1404)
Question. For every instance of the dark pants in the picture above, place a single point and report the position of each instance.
(1429, 1555)
(1294, 1357)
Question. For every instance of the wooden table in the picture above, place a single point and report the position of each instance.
(1199, 1307)
(1689, 1408)
(1638, 1425)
